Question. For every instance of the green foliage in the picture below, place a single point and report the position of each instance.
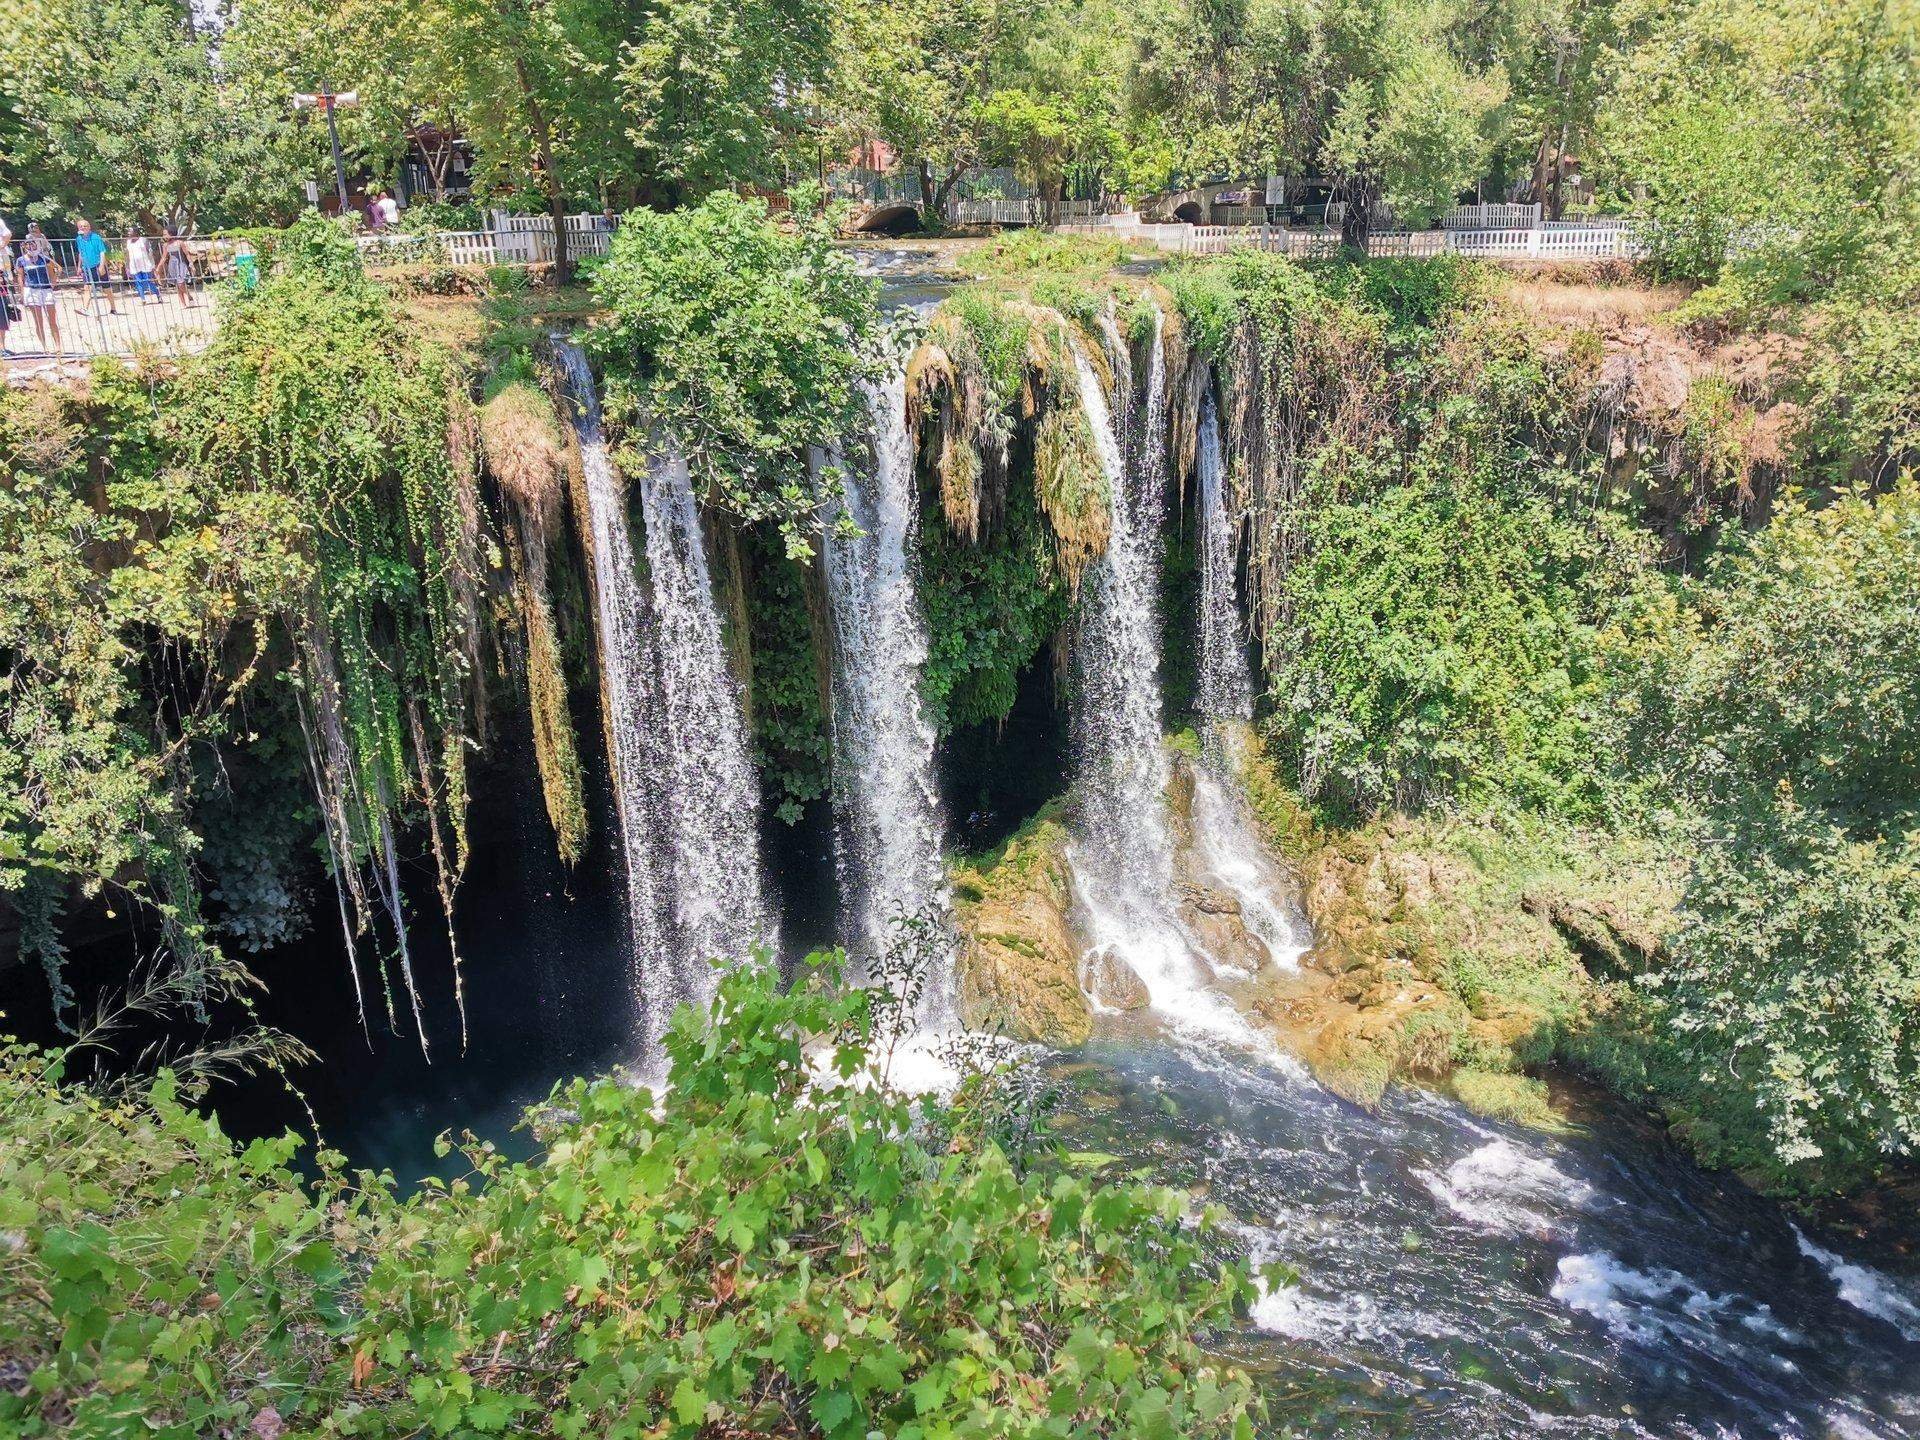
(1026, 255)
(1766, 141)
(990, 608)
(743, 342)
(135, 119)
(1860, 382)
(1782, 702)
(111, 557)
(790, 727)
(1444, 649)
(312, 392)
(1433, 597)
(774, 1246)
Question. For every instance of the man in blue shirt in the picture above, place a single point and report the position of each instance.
(92, 248)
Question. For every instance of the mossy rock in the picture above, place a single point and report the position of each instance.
(1498, 1095)
(1019, 962)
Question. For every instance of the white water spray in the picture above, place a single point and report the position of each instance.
(891, 832)
(685, 790)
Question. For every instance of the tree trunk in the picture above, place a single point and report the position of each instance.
(945, 192)
(1357, 224)
(927, 199)
(549, 171)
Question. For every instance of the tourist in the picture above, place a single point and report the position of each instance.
(246, 265)
(377, 211)
(91, 246)
(175, 269)
(140, 268)
(389, 209)
(38, 272)
(9, 307)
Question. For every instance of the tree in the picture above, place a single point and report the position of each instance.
(144, 122)
(1058, 107)
(1769, 141)
(1785, 699)
(917, 74)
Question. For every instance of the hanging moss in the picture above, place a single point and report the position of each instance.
(314, 391)
(787, 625)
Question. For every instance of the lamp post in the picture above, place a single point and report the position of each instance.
(328, 101)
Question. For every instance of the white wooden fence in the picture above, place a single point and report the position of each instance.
(1559, 240)
(1491, 217)
(513, 240)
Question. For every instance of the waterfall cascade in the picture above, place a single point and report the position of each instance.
(891, 832)
(1225, 680)
(684, 786)
(1124, 853)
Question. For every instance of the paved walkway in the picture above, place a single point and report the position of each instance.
(133, 326)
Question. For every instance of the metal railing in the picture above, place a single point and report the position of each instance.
(78, 318)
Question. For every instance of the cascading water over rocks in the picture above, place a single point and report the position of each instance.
(891, 832)
(684, 787)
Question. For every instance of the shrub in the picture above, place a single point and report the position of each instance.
(778, 1244)
(744, 341)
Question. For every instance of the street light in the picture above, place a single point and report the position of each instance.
(326, 100)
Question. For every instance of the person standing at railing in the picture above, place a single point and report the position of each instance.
(388, 210)
(140, 268)
(175, 268)
(91, 246)
(246, 265)
(38, 271)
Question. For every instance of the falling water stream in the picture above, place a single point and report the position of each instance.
(891, 832)
(685, 788)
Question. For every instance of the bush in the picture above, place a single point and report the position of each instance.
(1784, 702)
(743, 341)
(766, 1252)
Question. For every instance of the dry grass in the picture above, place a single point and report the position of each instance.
(1579, 298)
(521, 436)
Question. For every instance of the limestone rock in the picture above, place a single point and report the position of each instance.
(1019, 961)
(1113, 983)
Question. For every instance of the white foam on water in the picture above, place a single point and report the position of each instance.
(1289, 1310)
(1865, 1289)
(1503, 1187)
(1662, 1305)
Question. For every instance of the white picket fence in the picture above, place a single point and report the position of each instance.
(1557, 240)
(513, 240)
(1491, 217)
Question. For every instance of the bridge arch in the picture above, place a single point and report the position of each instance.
(889, 219)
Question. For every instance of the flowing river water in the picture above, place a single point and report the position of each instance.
(1457, 1278)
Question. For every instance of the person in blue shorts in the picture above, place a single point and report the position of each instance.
(91, 246)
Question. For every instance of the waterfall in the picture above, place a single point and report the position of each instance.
(1225, 681)
(891, 830)
(1123, 851)
(683, 787)
(710, 815)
